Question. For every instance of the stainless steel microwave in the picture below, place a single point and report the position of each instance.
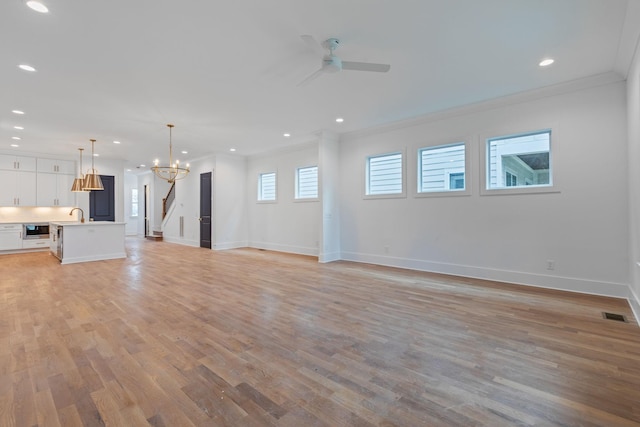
(35, 231)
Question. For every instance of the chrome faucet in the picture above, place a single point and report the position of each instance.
(81, 213)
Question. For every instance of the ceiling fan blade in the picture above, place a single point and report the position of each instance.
(365, 66)
(311, 77)
(313, 44)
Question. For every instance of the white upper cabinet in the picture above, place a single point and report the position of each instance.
(56, 166)
(10, 162)
(18, 188)
(55, 189)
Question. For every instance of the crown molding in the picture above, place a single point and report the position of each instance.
(517, 98)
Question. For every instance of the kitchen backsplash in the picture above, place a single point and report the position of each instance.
(35, 214)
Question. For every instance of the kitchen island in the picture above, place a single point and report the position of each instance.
(73, 242)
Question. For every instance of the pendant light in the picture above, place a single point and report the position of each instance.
(78, 183)
(92, 180)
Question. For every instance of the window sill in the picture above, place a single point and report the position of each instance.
(384, 196)
(520, 190)
(443, 193)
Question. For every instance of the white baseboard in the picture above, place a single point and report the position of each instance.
(179, 241)
(300, 250)
(571, 284)
(116, 255)
(329, 257)
(229, 245)
(634, 302)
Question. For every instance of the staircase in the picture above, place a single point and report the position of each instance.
(156, 236)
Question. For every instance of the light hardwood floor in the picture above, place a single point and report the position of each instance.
(179, 336)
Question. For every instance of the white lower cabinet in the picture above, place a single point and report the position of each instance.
(35, 244)
(10, 237)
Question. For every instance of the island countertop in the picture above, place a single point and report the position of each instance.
(78, 223)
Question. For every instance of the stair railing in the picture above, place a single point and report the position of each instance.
(168, 201)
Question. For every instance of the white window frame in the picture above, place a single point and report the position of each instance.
(275, 179)
(403, 193)
(554, 164)
(467, 171)
(135, 203)
(296, 196)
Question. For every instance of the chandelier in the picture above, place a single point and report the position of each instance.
(173, 171)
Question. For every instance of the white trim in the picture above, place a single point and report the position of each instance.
(229, 245)
(554, 164)
(571, 284)
(468, 143)
(101, 257)
(365, 175)
(179, 241)
(634, 302)
(503, 101)
(300, 250)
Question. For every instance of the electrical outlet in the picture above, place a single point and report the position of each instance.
(551, 264)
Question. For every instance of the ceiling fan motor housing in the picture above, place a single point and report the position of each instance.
(332, 64)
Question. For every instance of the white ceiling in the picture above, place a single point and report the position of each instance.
(227, 73)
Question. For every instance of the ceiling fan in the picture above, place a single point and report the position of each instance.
(333, 64)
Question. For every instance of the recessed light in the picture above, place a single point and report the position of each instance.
(184, 152)
(546, 62)
(26, 67)
(15, 145)
(232, 149)
(128, 170)
(339, 120)
(16, 138)
(18, 127)
(286, 135)
(37, 6)
(116, 142)
(143, 166)
(17, 112)
(96, 155)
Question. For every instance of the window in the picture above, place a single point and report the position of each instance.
(384, 174)
(307, 183)
(134, 202)
(442, 168)
(267, 186)
(518, 161)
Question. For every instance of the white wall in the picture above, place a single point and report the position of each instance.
(229, 223)
(633, 123)
(583, 228)
(286, 225)
(230, 228)
(131, 182)
(186, 205)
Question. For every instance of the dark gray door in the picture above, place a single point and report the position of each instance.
(205, 210)
(146, 214)
(102, 202)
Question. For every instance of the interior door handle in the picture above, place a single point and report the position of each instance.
(200, 219)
